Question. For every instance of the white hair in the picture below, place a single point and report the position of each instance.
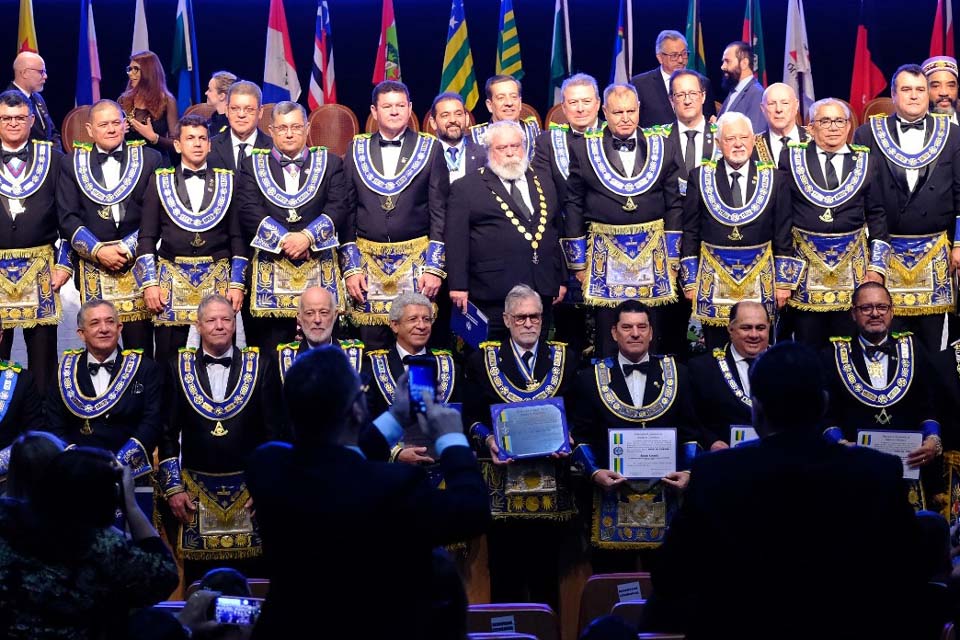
(729, 118)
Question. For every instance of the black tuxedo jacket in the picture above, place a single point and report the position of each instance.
(222, 241)
(773, 224)
(655, 107)
(947, 394)
(486, 254)
(331, 495)
(24, 410)
(251, 206)
(545, 160)
(678, 146)
(589, 201)
(38, 224)
(43, 126)
(933, 204)
(716, 406)
(188, 434)
(419, 210)
(138, 413)
(782, 161)
(476, 155)
(222, 155)
(835, 508)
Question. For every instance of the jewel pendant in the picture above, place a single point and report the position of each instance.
(827, 216)
(535, 259)
(388, 204)
(735, 234)
(630, 204)
(883, 417)
(219, 431)
(104, 212)
(293, 216)
(86, 429)
(197, 241)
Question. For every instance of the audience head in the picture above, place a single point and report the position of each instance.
(99, 327)
(504, 97)
(942, 73)
(448, 599)
(872, 311)
(580, 101)
(609, 627)
(147, 83)
(289, 128)
(632, 331)
(737, 63)
(449, 117)
(105, 124)
(411, 320)
(523, 315)
(391, 108)
(687, 95)
(788, 390)
(735, 138)
(244, 108)
(934, 552)
(671, 50)
(621, 108)
(317, 316)
(30, 455)
(216, 324)
(506, 150)
(908, 88)
(16, 118)
(780, 107)
(324, 377)
(226, 581)
(749, 328)
(192, 141)
(217, 87)
(29, 71)
(830, 123)
(80, 489)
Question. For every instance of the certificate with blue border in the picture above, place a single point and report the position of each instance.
(531, 429)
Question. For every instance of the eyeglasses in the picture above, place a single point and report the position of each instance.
(42, 72)
(836, 123)
(685, 95)
(248, 111)
(131, 69)
(680, 55)
(522, 318)
(868, 309)
(14, 119)
(284, 129)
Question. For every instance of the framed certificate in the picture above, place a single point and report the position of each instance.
(742, 434)
(643, 453)
(530, 429)
(897, 443)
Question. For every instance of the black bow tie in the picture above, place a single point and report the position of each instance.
(624, 145)
(906, 126)
(223, 362)
(288, 161)
(749, 361)
(391, 143)
(22, 155)
(872, 351)
(642, 367)
(199, 173)
(95, 367)
(116, 155)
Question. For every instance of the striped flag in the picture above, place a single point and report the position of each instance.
(185, 66)
(88, 58)
(560, 52)
(457, 74)
(388, 51)
(698, 59)
(141, 39)
(27, 30)
(622, 68)
(323, 85)
(797, 71)
(753, 35)
(508, 43)
(280, 81)
(941, 42)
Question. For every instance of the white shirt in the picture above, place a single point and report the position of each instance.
(458, 169)
(744, 172)
(391, 156)
(636, 381)
(743, 369)
(404, 353)
(195, 186)
(16, 204)
(776, 142)
(291, 175)
(837, 161)
(219, 376)
(629, 158)
(697, 139)
(666, 80)
(235, 144)
(520, 351)
(911, 141)
(111, 177)
(878, 375)
(521, 183)
(102, 380)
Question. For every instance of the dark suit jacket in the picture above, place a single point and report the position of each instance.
(311, 501)
(38, 224)
(782, 162)
(932, 206)
(545, 160)
(788, 525)
(476, 155)
(486, 254)
(655, 107)
(24, 410)
(716, 406)
(222, 155)
(947, 394)
(749, 102)
(678, 146)
(137, 414)
(44, 127)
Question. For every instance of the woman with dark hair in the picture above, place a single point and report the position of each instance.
(30, 454)
(65, 572)
(151, 109)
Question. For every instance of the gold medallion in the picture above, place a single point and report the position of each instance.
(630, 204)
(86, 429)
(293, 216)
(197, 241)
(219, 431)
(104, 212)
(827, 216)
(388, 204)
(735, 234)
(535, 258)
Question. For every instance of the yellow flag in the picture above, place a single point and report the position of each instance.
(27, 33)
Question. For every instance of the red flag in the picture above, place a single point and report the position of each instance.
(941, 41)
(868, 80)
(388, 56)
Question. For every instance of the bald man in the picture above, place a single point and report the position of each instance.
(780, 106)
(29, 76)
(316, 319)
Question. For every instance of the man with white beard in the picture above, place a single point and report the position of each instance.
(503, 230)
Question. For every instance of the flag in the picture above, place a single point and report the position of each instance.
(280, 80)
(323, 86)
(508, 43)
(796, 56)
(388, 51)
(27, 31)
(622, 68)
(141, 40)
(868, 80)
(697, 61)
(88, 59)
(941, 42)
(185, 66)
(560, 52)
(753, 35)
(457, 75)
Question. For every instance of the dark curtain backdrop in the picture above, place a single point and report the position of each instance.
(231, 34)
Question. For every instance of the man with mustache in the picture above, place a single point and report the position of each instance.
(941, 72)
(504, 102)
(449, 119)
(746, 94)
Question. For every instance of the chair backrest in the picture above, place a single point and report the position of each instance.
(878, 106)
(73, 128)
(521, 617)
(556, 115)
(372, 124)
(630, 610)
(266, 116)
(259, 587)
(428, 127)
(660, 636)
(500, 636)
(949, 632)
(526, 111)
(332, 126)
(173, 606)
(203, 109)
(603, 590)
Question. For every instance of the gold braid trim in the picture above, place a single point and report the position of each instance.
(222, 514)
(653, 248)
(29, 277)
(410, 249)
(909, 274)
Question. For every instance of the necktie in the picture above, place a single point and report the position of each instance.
(690, 155)
(749, 362)
(241, 153)
(527, 358)
(199, 173)
(735, 196)
(518, 199)
(641, 367)
(22, 155)
(831, 172)
(116, 154)
(454, 153)
(873, 351)
(392, 143)
(95, 367)
(784, 151)
(223, 362)
(906, 126)
(624, 145)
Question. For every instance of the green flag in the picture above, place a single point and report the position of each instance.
(508, 43)
(560, 54)
(753, 35)
(458, 75)
(697, 60)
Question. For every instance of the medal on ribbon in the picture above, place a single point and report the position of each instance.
(182, 215)
(533, 236)
(828, 198)
(721, 357)
(633, 413)
(106, 198)
(34, 178)
(735, 216)
(534, 389)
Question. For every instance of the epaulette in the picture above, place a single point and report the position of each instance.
(557, 343)
(530, 120)
(72, 352)
(763, 166)
(596, 361)
(317, 148)
(222, 129)
(441, 352)
(717, 353)
(713, 127)
(164, 170)
(288, 345)
(667, 128)
(859, 148)
(260, 151)
(378, 352)
(840, 339)
(881, 116)
(47, 142)
(187, 350)
(361, 136)
(128, 351)
(250, 350)
(799, 144)
(424, 134)
(8, 364)
(479, 125)
(350, 344)
(896, 335)
(554, 126)
(489, 343)
(136, 143)
(86, 146)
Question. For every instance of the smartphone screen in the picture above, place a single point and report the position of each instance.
(232, 610)
(422, 377)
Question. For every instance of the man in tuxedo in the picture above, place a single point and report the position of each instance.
(449, 119)
(720, 380)
(397, 185)
(653, 87)
(29, 76)
(34, 265)
(942, 73)
(107, 397)
(291, 201)
(221, 406)
(506, 231)
(779, 105)
(190, 245)
(746, 94)
(921, 203)
(316, 499)
(230, 148)
(623, 192)
(751, 528)
(100, 201)
(504, 102)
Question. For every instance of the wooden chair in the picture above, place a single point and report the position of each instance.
(428, 128)
(372, 124)
(203, 109)
(266, 116)
(556, 115)
(526, 111)
(537, 620)
(878, 106)
(631, 611)
(74, 127)
(332, 126)
(259, 587)
(601, 593)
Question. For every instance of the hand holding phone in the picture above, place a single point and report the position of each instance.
(421, 379)
(234, 610)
